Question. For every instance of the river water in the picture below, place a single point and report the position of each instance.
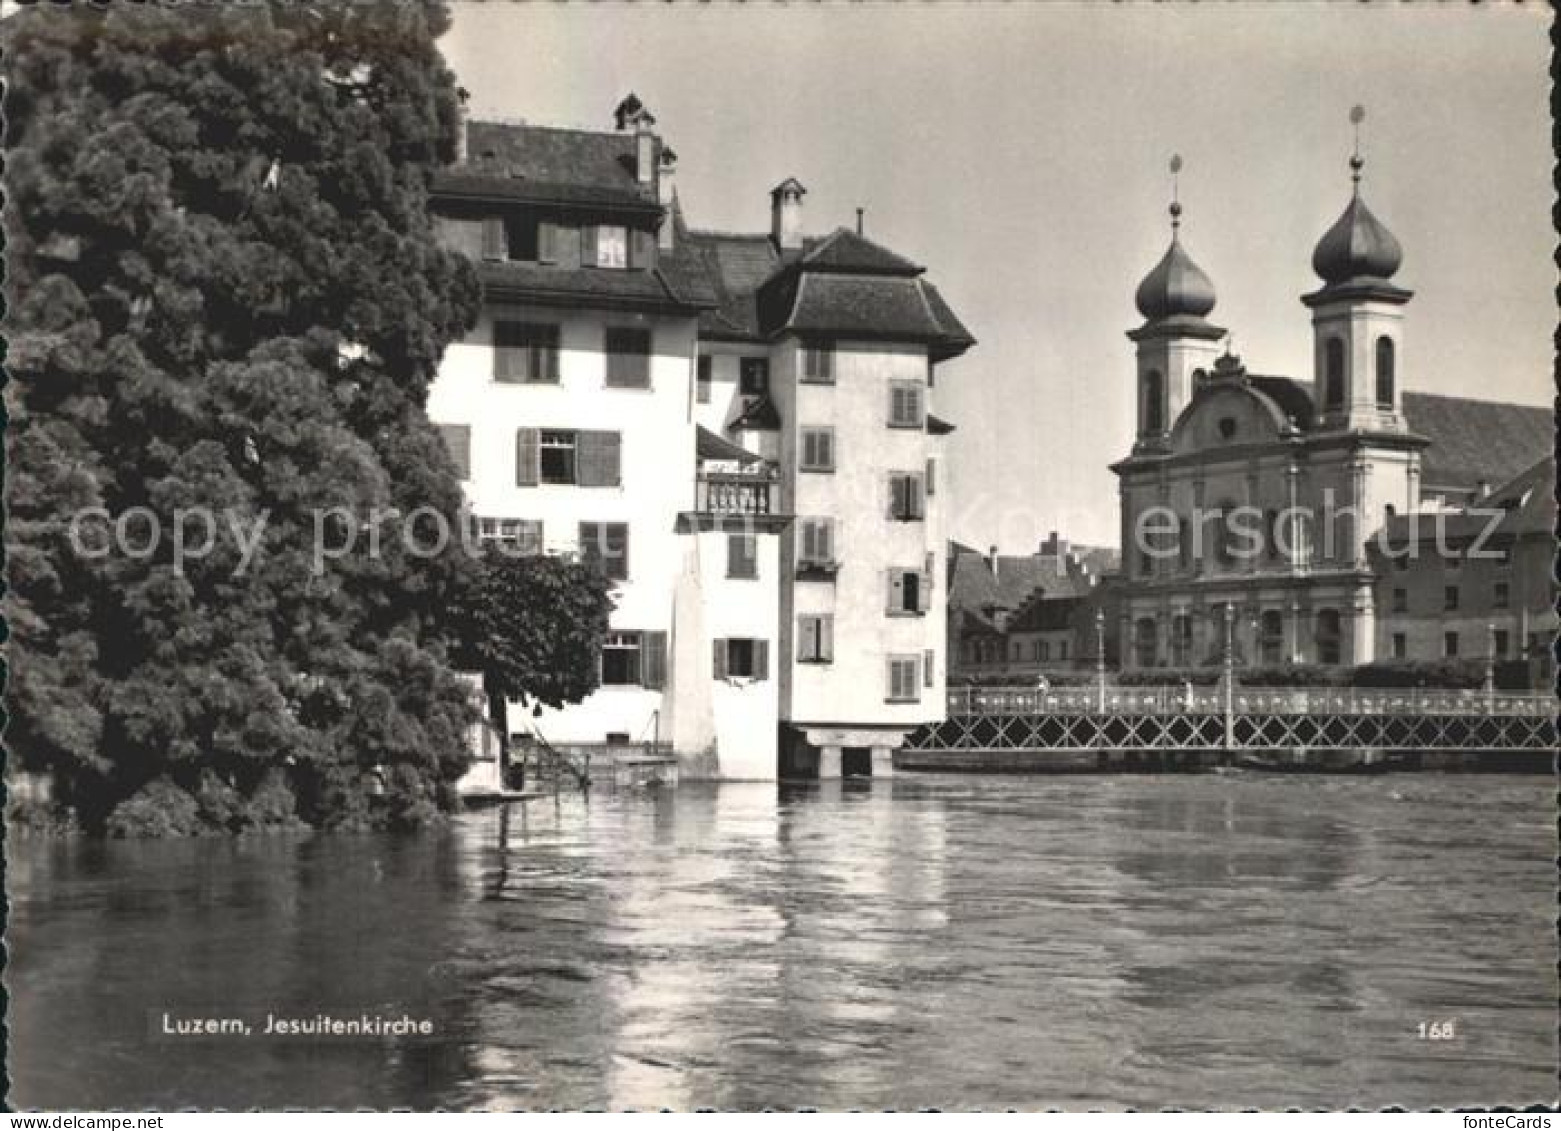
(1070, 942)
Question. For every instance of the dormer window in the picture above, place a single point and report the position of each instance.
(1227, 427)
(605, 245)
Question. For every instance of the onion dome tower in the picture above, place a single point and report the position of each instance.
(1176, 343)
(1358, 315)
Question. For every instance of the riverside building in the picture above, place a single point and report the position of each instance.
(736, 427)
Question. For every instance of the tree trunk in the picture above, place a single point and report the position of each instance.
(498, 718)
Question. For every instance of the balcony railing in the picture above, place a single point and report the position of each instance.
(1211, 699)
(718, 492)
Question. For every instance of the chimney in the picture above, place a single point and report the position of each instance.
(629, 113)
(786, 214)
(666, 189)
(859, 212)
(991, 560)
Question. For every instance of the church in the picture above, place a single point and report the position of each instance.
(1250, 503)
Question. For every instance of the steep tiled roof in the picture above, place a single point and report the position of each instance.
(844, 250)
(975, 586)
(671, 284)
(1293, 397)
(545, 163)
(736, 266)
(1528, 500)
(1477, 440)
(1046, 613)
(840, 285)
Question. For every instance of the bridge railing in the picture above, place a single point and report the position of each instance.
(1119, 699)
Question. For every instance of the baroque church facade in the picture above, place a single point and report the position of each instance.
(1248, 501)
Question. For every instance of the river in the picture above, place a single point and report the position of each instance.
(1070, 942)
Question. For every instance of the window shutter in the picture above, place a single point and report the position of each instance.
(591, 542)
(896, 591)
(509, 356)
(642, 249)
(530, 535)
(547, 242)
(826, 443)
(547, 370)
(827, 363)
(528, 457)
(926, 668)
(653, 660)
(720, 659)
(913, 403)
(894, 679)
(458, 439)
(896, 497)
(600, 459)
(761, 659)
(913, 503)
(588, 246)
(826, 540)
(826, 637)
(932, 477)
(494, 245)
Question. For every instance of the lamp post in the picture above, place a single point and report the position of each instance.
(1100, 660)
(1490, 664)
(1230, 672)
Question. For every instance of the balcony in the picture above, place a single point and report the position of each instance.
(735, 492)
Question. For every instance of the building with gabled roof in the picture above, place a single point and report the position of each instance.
(735, 427)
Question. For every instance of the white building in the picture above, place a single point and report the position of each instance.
(665, 401)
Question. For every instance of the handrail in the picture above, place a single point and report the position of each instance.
(1117, 698)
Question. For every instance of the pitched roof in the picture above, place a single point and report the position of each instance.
(1528, 500)
(548, 163)
(1293, 398)
(1046, 613)
(841, 285)
(937, 426)
(672, 283)
(975, 586)
(845, 250)
(709, 445)
(1474, 440)
(736, 266)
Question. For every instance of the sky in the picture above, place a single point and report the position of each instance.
(1020, 152)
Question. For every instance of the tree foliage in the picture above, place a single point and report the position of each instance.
(225, 293)
(533, 627)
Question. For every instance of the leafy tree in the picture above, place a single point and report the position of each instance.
(533, 627)
(225, 294)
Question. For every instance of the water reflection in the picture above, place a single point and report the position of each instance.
(1070, 942)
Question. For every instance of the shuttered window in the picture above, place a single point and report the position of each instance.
(818, 542)
(904, 679)
(628, 357)
(514, 536)
(464, 236)
(905, 498)
(621, 659)
(909, 592)
(818, 364)
(818, 449)
(742, 556)
(905, 404)
(458, 439)
(816, 638)
(642, 250)
(653, 660)
(740, 657)
(494, 243)
(600, 459)
(525, 352)
(583, 458)
(606, 546)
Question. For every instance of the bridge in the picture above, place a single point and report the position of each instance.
(1018, 728)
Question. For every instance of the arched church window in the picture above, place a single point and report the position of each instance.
(1384, 372)
(1154, 401)
(1333, 374)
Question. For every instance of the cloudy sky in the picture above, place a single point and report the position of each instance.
(1020, 151)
